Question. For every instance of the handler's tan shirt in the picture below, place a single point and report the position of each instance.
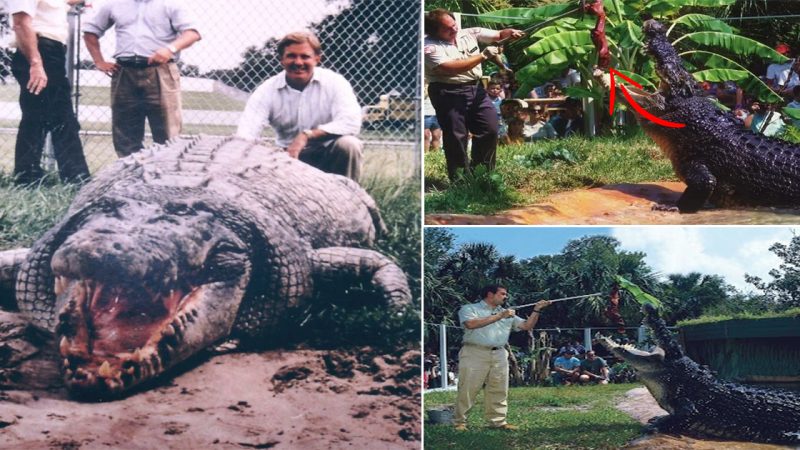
(492, 335)
(438, 51)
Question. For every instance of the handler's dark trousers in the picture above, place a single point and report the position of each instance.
(51, 111)
(462, 109)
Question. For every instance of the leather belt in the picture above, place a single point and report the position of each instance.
(452, 85)
(136, 62)
(485, 347)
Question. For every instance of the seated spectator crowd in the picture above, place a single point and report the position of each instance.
(568, 369)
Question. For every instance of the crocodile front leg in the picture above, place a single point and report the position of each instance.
(700, 184)
(683, 419)
(336, 263)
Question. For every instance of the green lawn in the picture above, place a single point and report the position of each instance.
(528, 173)
(577, 417)
(101, 96)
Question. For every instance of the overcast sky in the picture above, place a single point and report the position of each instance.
(229, 27)
(727, 251)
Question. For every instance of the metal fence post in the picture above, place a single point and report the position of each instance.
(443, 355)
(587, 339)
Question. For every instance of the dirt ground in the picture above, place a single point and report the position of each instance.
(311, 399)
(619, 204)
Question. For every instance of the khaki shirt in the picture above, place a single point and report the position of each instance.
(438, 51)
(492, 335)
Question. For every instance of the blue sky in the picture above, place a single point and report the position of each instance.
(727, 251)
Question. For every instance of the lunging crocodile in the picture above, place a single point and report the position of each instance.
(700, 404)
(175, 248)
(713, 154)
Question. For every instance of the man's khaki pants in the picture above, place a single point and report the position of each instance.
(152, 93)
(479, 366)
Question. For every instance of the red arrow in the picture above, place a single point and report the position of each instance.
(636, 106)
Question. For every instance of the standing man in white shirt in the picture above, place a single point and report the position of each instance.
(782, 77)
(313, 110)
(39, 65)
(145, 79)
(483, 359)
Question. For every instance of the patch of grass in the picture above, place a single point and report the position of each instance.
(794, 312)
(27, 212)
(532, 171)
(584, 418)
(479, 192)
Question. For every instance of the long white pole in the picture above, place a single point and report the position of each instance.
(557, 300)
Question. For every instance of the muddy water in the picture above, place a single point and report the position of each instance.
(619, 204)
(640, 405)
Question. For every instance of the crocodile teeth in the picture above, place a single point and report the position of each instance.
(168, 331)
(68, 373)
(137, 355)
(65, 362)
(59, 285)
(105, 370)
(63, 346)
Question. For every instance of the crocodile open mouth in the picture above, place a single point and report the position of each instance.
(112, 338)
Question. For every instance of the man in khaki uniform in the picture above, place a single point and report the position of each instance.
(483, 359)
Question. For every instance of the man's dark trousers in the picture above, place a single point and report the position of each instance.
(51, 111)
(461, 110)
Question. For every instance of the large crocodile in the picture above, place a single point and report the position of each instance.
(175, 248)
(698, 403)
(717, 158)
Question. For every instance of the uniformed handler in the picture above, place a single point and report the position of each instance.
(453, 72)
(483, 359)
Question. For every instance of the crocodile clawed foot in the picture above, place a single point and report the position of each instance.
(664, 207)
(226, 347)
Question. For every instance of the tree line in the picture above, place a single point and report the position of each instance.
(454, 276)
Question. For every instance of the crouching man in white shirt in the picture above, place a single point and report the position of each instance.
(313, 110)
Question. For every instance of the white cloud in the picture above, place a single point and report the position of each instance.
(726, 251)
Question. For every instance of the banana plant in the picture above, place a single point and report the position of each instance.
(709, 47)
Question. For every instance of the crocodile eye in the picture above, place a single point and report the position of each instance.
(225, 261)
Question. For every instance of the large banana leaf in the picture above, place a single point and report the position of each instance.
(637, 78)
(526, 16)
(638, 294)
(739, 45)
(629, 34)
(711, 60)
(672, 7)
(561, 41)
(744, 78)
(579, 92)
(702, 22)
(792, 113)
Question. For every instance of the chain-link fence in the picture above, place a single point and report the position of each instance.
(373, 43)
